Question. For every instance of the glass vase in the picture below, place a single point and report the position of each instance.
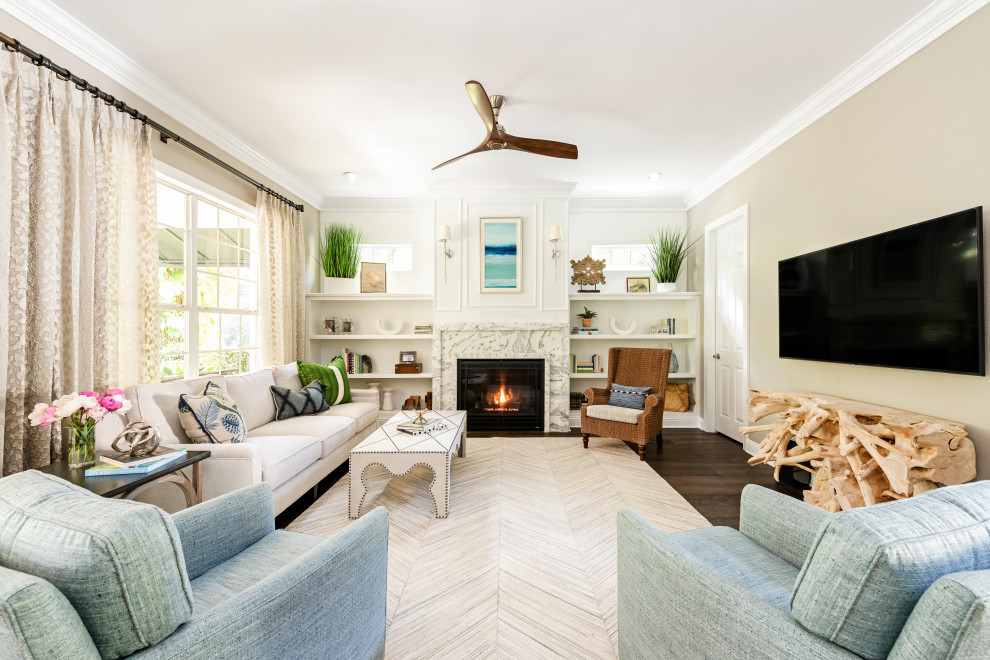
(82, 446)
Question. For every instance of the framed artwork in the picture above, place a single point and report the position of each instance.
(501, 255)
(637, 285)
(372, 277)
(407, 356)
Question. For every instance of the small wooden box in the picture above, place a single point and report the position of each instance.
(409, 368)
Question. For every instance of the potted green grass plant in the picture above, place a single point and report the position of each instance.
(586, 317)
(668, 250)
(340, 257)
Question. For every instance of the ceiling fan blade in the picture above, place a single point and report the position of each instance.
(481, 147)
(479, 98)
(541, 147)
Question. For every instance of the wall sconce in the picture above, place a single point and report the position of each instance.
(555, 252)
(443, 237)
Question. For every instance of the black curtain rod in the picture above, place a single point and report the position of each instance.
(62, 73)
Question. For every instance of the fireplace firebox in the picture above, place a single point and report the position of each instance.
(501, 395)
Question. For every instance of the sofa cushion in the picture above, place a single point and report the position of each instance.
(211, 416)
(296, 403)
(253, 398)
(614, 413)
(159, 404)
(742, 560)
(627, 396)
(362, 412)
(287, 375)
(248, 567)
(118, 562)
(336, 387)
(285, 456)
(331, 431)
(870, 566)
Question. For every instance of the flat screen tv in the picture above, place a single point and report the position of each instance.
(911, 298)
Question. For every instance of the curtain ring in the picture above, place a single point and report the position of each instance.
(13, 48)
(67, 78)
(82, 85)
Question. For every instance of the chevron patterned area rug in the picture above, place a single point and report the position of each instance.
(524, 567)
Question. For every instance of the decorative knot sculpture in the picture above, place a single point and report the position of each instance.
(139, 438)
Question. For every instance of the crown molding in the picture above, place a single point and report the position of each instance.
(371, 204)
(671, 204)
(53, 23)
(504, 189)
(930, 24)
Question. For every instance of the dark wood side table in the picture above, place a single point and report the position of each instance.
(130, 486)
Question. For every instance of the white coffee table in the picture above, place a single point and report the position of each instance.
(400, 452)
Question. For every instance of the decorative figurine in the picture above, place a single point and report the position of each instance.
(139, 438)
(588, 272)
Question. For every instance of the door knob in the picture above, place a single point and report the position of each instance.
(717, 356)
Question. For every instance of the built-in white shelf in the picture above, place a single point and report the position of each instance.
(369, 296)
(611, 336)
(393, 337)
(387, 375)
(677, 295)
(681, 375)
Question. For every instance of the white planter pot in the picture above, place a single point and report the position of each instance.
(341, 285)
(666, 287)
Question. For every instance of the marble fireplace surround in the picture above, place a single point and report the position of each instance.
(505, 340)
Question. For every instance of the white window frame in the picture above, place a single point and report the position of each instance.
(389, 262)
(625, 246)
(196, 191)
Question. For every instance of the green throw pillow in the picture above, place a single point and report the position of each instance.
(333, 377)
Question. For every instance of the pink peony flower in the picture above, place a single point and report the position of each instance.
(51, 414)
(87, 402)
(37, 415)
(110, 403)
(97, 412)
(95, 395)
(124, 408)
(114, 393)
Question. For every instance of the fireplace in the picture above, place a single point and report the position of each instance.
(501, 395)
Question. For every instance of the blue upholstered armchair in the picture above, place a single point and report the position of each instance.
(902, 580)
(84, 577)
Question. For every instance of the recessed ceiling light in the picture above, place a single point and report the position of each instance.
(653, 176)
(351, 176)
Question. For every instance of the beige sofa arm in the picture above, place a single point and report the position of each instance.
(231, 466)
(366, 396)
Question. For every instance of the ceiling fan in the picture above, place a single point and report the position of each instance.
(488, 108)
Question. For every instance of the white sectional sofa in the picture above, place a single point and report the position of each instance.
(291, 455)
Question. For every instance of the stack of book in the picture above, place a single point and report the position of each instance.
(423, 329)
(414, 427)
(670, 325)
(592, 366)
(357, 363)
(587, 331)
(120, 463)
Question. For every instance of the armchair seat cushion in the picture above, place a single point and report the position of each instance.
(249, 567)
(740, 559)
(285, 456)
(615, 413)
(362, 412)
(118, 562)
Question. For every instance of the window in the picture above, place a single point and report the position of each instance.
(208, 284)
(623, 257)
(396, 257)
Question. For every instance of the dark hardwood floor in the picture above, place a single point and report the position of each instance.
(708, 469)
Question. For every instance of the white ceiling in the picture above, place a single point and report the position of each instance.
(377, 87)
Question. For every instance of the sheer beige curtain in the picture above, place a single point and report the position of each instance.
(280, 286)
(78, 253)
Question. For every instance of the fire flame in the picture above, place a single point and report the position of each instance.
(500, 398)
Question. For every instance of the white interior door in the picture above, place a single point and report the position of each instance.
(729, 380)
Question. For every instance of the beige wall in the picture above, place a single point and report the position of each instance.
(912, 146)
(174, 154)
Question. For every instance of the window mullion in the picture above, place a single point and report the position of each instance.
(192, 211)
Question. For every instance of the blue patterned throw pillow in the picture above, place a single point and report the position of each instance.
(211, 416)
(292, 403)
(627, 396)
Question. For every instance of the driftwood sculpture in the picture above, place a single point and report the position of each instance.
(860, 453)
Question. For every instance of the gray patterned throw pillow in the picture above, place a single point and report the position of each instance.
(291, 403)
(627, 396)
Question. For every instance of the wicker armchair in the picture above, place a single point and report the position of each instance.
(636, 367)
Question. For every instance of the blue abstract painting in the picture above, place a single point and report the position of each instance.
(500, 265)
